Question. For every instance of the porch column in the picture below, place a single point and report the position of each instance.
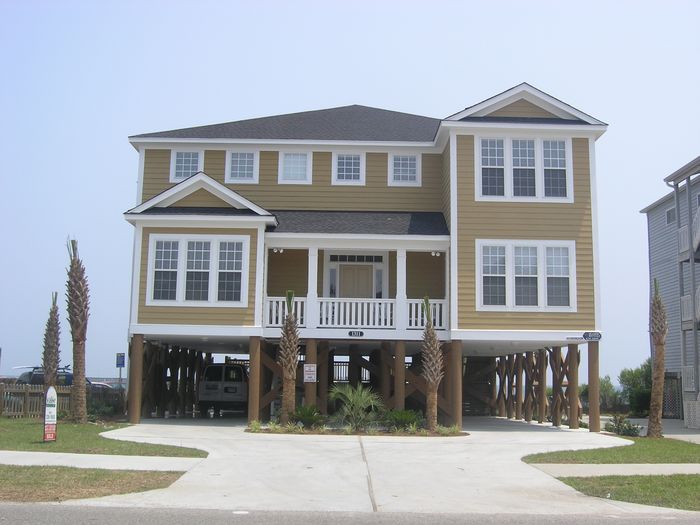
(312, 313)
(399, 375)
(384, 367)
(542, 385)
(401, 314)
(593, 388)
(455, 372)
(135, 378)
(310, 359)
(572, 389)
(322, 372)
(254, 379)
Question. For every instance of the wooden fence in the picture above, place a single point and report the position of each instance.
(28, 400)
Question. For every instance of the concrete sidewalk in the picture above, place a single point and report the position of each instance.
(101, 461)
(479, 473)
(562, 470)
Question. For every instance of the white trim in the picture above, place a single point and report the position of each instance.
(541, 246)
(197, 221)
(196, 182)
(328, 265)
(570, 336)
(183, 239)
(135, 275)
(419, 169)
(453, 231)
(139, 180)
(334, 169)
(260, 276)
(195, 330)
(309, 167)
(326, 145)
(594, 227)
(359, 242)
(173, 154)
(256, 166)
(570, 130)
(370, 334)
(539, 170)
(532, 95)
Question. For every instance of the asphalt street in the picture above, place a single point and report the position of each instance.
(57, 514)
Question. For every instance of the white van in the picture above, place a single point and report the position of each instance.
(224, 386)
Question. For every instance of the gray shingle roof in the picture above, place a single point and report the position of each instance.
(342, 123)
(361, 222)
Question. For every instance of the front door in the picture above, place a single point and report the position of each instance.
(356, 281)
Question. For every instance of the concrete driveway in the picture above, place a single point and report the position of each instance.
(479, 473)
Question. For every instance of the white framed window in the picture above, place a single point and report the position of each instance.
(295, 167)
(404, 169)
(522, 168)
(334, 261)
(525, 275)
(671, 215)
(198, 270)
(242, 166)
(184, 163)
(348, 169)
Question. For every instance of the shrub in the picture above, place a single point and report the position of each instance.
(621, 426)
(402, 420)
(255, 426)
(359, 406)
(308, 417)
(448, 431)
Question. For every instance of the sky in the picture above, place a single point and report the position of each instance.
(79, 77)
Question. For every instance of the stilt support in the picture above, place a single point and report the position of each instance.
(400, 375)
(135, 378)
(593, 387)
(572, 359)
(455, 383)
(311, 359)
(254, 380)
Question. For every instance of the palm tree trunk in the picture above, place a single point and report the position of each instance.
(77, 394)
(655, 429)
(288, 394)
(431, 408)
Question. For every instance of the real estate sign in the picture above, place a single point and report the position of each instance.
(50, 414)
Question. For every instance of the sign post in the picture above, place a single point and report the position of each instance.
(50, 415)
(120, 364)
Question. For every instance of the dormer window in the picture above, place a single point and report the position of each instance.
(404, 169)
(185, 163)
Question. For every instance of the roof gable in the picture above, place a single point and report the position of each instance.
(200, 190)
(524, 102)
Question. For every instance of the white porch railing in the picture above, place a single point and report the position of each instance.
(356, 313)
(416, 315)
(276, 310)
(682, 239)
(686, 308)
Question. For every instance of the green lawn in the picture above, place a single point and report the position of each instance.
(644, 450)
(27, 434)
(62, 483)
(679, 491)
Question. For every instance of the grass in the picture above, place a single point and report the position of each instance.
(679, 491)
(644, 450)
(25, 484)
(27, 434)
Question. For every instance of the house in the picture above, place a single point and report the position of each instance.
(674, 225)
(490, 212)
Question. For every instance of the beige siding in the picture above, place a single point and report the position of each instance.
(522, 108)
(201, 198)
(321, 195)
(198, 315)
(156, 172)
(287, 271)
(425, 275)
(446, 182)
(494, 220)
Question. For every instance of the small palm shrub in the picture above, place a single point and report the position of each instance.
(403, 420)
(359, 406)
(308, 417)
(621, 426)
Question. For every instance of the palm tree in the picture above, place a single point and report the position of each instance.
(287, 358)
(78, 299)
(433, 367)
(658, 327)
(51, 344)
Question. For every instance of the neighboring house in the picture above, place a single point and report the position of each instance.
(362, 212)
(669, 257)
